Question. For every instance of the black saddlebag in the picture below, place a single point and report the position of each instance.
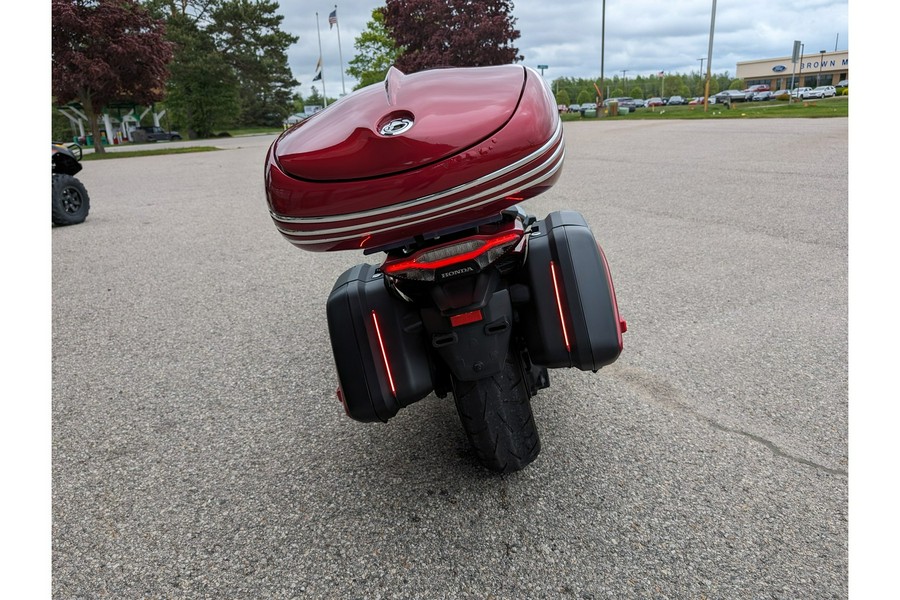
(572, 319)
(379, 346)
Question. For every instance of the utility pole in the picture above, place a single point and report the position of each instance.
(712, 29)
(602, 52)
(701, 67)
(821, 60)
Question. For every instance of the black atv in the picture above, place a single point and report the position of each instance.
(70, 198)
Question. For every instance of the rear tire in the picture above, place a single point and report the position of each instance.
(496, 415)
(70, 203)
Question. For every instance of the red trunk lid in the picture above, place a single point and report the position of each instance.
(408, 122)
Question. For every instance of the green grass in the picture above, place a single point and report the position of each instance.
(154, 152)
(831, 107)
(253, 131)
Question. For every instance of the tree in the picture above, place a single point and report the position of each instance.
(454, 33)
(562, 97)
(105, 51)
(375, 52)
(202, 92)
(231, 58)
(248, 35)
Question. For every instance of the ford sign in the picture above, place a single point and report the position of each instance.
(779, 68)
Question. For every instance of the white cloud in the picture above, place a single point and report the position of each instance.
(642, 36)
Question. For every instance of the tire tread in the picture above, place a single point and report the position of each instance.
(496, 415)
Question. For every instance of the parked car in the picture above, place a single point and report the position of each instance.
(574, 108)
(762, 96)
(730, 96)
(588, 106)
(759, 87)
(639, 103)
(843, 84)
(803, 93)
(624, 102)
(294, 119)
(810, 93)
(828, 91)
(675, 100)
(155, 134)
(777, 93)
(655, 102)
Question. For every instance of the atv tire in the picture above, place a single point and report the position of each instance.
(70, 200)
(496, 415)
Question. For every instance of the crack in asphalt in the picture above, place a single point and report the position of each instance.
(663, 392)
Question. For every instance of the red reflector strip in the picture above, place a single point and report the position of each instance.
(559, 307)
(340, 395)
(464, 319)
(387, 366)
(623, 326)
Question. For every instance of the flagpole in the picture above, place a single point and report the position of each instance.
(322, 72)
(340, 54)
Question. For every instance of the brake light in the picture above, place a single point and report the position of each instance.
(481, 250)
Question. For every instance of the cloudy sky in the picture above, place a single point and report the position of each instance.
(642, 36)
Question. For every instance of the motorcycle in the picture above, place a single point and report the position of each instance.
(474, 298)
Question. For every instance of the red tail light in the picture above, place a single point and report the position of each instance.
(482, 250)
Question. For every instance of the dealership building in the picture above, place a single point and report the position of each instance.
(813, 69)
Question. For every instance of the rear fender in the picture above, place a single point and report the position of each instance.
(64, 162)
(473, 339)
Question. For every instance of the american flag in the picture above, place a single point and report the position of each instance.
(332, 18)
(661, 74)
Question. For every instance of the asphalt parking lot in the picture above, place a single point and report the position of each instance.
(199, 450)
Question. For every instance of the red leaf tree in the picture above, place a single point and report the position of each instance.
(452, 33)
(105, 51)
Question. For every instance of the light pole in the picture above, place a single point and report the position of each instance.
(801, 83)
(602, 53)
(821, 61)
(712, 28)
(624, 82)
(701, 67)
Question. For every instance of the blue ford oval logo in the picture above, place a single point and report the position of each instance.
(779, 68)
